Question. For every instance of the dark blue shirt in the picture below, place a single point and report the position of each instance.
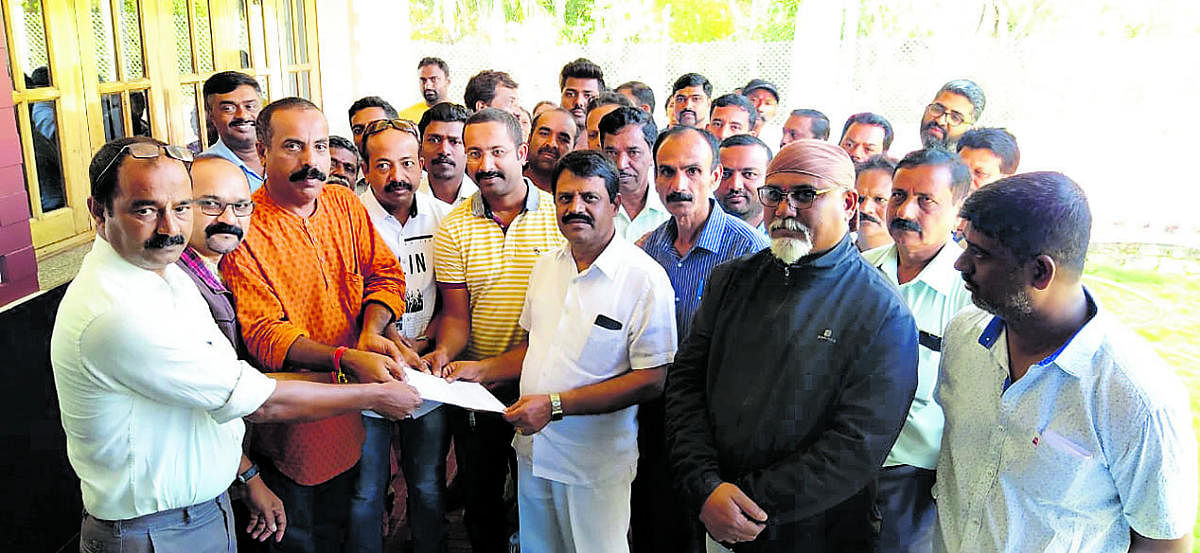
(723, 237)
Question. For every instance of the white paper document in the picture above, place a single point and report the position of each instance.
(470, 395)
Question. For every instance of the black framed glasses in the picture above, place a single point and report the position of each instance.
(215, 207)
(380, 125)
(147, 150)
(798, 198)
(937, 110)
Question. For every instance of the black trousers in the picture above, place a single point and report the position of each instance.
(660, 522)
(483, 449)
(905, 503)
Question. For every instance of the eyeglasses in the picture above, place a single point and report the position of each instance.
(799, 198)
(216, 208)
(147, 150)
(380, 125)
(937, 110)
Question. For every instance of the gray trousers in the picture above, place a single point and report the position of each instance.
(205, 527)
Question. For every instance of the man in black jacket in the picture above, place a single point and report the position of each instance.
(775, 436)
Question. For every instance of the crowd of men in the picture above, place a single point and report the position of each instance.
(726, 334)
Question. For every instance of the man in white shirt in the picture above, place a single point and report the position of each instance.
(151, 392)
(627, 137)
(929, 187)
(443, 155)
(1064, 431)
(601, 334)
(407, 221)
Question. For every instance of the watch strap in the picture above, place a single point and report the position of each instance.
(556, 410)
(248, 474)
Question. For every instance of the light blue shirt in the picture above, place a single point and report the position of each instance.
(219, 148)
(934, 297)
(1093, 441)
(653, 214)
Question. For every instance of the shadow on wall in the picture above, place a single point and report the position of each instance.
(40, 505)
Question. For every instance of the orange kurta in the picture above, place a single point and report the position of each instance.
(311, 277)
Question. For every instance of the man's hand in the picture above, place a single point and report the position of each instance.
(530, 414)
(727, 515)
(436, 361)
(368, 366)
(406, 347)
(393, 348)
(398, 400)
(266, 512)
(470, 371)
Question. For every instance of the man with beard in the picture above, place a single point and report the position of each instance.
(804, 123)
(151, 392)
(601, 334)
(873, 182)
(604, 104)
(434, 77)
(730, 115)
(443, 157)
(866, 135)
(744, 160)
(991, 153)
(698, 236)
(627, 137)
(554, 134)
(343, 163)
(956, 107)
(927, 189)
(580, 81)
(483, 253)
(232, 100)
(776, 436)
(219, 219)
(407, 221)
(1064, 430)
(317, 289)
(691, 95)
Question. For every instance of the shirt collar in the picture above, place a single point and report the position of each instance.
(608, 262)
(224, 151)
(837, 254)
(1076, 355)
(938, 274)
(376, 209)
(480, 208)
(192, 261)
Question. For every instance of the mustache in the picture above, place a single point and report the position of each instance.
(223, 228)
(251, 122)
(338, 179)
(905, 224)
(788, 223)
(548, 149)
(865, 217)
(398, 185)
(582, 217)
(679, 197)
(442, 158)
(308, 172)
(626, 175)
(692, 112)
(482, 175)
(737, 194)
(160, 241)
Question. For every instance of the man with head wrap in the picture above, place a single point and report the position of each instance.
(776, 436)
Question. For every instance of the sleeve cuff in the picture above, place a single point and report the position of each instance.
(651, 361)
(275, 354)
(452, 285)
(387, 299)
(251, 391)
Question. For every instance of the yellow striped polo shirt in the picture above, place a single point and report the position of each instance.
(472, 251)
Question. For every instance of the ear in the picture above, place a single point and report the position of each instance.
(716, 175)
(850, 204)
(1043, 271)
(615, 205)
(98, 216)
(523, 152)
(262, 152)
(480, 104)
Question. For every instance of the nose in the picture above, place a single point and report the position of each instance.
(621, 160)
(784, 209)
(443, 147)
(736, 182)
(906, 208)
(961, 262)
(227, 216)
(170, 223)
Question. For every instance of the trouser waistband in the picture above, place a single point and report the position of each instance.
(169, 517)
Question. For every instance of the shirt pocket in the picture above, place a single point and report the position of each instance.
(1059, 472)
(602, 351)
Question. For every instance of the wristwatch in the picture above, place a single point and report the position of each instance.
(250, 473)
(556, 411)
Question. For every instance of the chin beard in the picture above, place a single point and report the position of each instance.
(790, 250)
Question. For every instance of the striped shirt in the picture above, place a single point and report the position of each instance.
(723, 237)
(472, 251)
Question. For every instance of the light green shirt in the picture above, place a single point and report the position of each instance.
(649, 218)
(934, 296)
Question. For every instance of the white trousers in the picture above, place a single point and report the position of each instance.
(562, 518)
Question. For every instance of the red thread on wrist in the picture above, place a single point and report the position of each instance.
(337, 357)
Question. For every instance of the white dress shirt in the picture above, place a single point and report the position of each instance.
(151, 392)
(466, 189)
(653, 214)
(573, 343)
(1093, 441)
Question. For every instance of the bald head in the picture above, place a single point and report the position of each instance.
(218, 184)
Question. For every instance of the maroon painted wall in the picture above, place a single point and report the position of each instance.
(18, 265)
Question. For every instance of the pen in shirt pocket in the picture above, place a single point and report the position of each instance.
(1048, 437)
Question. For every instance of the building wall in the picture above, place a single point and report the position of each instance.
(18, 265)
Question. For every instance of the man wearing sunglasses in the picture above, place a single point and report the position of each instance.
(956, 108)
(317, 289)
(151, 392)
(775, 436)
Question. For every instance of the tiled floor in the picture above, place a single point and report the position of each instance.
(456, 541)
(61, 267)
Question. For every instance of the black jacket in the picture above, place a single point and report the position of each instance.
(793, 385)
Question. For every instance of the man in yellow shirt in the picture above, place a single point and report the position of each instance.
(434, 76)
